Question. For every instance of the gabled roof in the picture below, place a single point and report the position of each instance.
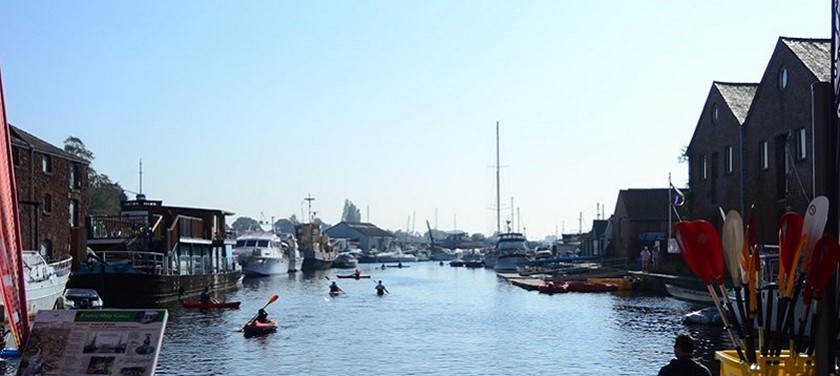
(22, 138)
(367, 229)
(599, 226)
(646, 204)
(738, 97)
(814, 53)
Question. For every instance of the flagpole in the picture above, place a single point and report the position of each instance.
(670, 202)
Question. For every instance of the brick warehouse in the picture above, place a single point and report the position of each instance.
(52, 189)
(754, 142)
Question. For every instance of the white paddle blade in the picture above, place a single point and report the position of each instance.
(814, 224)
(733, 241)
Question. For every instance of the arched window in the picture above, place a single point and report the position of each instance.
(783, 78)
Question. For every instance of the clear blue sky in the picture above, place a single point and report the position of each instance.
(250, 106)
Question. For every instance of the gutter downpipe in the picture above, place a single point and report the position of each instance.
(741, 136)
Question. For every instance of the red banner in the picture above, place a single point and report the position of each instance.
(11, 249)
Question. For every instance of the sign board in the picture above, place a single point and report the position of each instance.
(94, 342)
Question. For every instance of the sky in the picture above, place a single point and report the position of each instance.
(251, 106)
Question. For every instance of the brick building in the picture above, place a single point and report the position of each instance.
(52, 196)
(753, 143)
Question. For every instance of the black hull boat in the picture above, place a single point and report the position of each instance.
(318, 253)
(152, 254)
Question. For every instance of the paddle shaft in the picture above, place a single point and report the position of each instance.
(723, 316)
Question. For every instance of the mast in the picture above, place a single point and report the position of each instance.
(498, 197)
(309, 200)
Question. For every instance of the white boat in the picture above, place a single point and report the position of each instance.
(44, 282)
(261, 254)
(345, 260)
(512, 252)
(689, 295)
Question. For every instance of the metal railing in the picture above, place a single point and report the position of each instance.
(147, 262)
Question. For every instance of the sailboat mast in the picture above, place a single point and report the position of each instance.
(498, 197)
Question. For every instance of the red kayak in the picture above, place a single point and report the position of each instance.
(200, 305)
(353, 276)
(256, 328)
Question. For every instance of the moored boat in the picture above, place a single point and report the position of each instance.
(512, 252)
(345, 260)
(44, 282)
(152, 254)
(353, 276)
(261, 254)
(317, 252)
(199, 305)
(256, 328)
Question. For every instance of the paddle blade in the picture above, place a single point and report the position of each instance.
(824, 264)
(272, 299)
(733, 243)
(813, 225)
(790, 233)
(693, 241)
(713, 250)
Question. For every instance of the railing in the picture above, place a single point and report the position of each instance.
(62, 267)
(147, 262)
(109, 227)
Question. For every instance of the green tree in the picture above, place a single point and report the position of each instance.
(104, 196)
(243, 224)
(351, 213)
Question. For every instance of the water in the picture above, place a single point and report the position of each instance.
(438, 320)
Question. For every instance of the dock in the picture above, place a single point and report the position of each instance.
(526, 282)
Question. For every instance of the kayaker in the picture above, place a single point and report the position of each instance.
(399, 264)
(262, 316)
(683, 364)
(380, 289)
(357, 274)
(334, 289)
(383, 266)
(204, 298)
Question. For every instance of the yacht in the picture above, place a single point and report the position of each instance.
(261, 253)
(345, 260)
(512, 252)
(44, 282)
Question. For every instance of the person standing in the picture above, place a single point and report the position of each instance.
(380, 289)
(645, 254)
(683, 364)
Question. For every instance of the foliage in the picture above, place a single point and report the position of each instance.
(243, 224)
(683, 157)
(351, 213)
(104, 196)
(477, 237)
(285, 226)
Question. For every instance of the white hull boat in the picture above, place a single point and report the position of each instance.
(261, 254)
(512, 252)
(44, 283)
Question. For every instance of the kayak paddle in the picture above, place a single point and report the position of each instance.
(272, 299)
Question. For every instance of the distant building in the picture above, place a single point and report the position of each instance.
(52, 190)
(595, 241)
(640, 220)
(366, 235)
(754, 142)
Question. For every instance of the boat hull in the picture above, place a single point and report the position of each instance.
(264, 266)
(314, 260)
(199, 305)
(253, 328)
(141, 290)
(509, 264)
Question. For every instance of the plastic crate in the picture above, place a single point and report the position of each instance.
(731, 365)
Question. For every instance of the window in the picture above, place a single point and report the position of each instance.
(727, 160)
(715, 113)
(764, 155)
(16, 155)
(783, 78)
(46, 163)
(75, 176)
(74, 213)
(46, 249)
(800, 146)
(704, 172)
(47, 203)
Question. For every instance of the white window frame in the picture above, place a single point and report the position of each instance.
(728, 164)
(764, 155)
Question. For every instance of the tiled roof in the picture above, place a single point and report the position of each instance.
(738, 96)
(368, 229)
(21, 137)
(814, 53)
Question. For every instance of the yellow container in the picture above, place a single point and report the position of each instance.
(731, 365)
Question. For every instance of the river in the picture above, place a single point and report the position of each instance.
(437, 320)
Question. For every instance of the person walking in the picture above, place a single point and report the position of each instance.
(645, 255)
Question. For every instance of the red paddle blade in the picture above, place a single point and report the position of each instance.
(826, 255)
(713, 250)
(694, 240)
(790, 233)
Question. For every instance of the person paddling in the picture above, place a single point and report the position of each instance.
(380, 289)
(206, 296)
(356, 274)
(262, 316)
(334, 289)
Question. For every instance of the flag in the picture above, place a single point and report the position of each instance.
(11, 250)
(679, 197)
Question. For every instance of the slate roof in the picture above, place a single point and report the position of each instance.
(23, 138)
(738, 96)
(814, 53)
(368, 229)
(646, 204)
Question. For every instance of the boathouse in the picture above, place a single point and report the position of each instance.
(754, 142)
(366, 235)
(640, 220)
(52, 196)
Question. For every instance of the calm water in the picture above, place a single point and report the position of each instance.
(438, 320)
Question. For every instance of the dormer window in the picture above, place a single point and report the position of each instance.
(783, 78)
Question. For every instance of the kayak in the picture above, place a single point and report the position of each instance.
(200, 305)
(256, 328)
(399, 266)
(353, 276)
(335, 293)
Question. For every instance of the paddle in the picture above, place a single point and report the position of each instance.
(826, 255)
(751, 260)
(790, 235)
(696, 240)
(272, 299)
(733, 246)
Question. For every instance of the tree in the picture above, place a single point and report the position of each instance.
(477, 237)
(104, 196)
(351, 213)
(243, 224)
